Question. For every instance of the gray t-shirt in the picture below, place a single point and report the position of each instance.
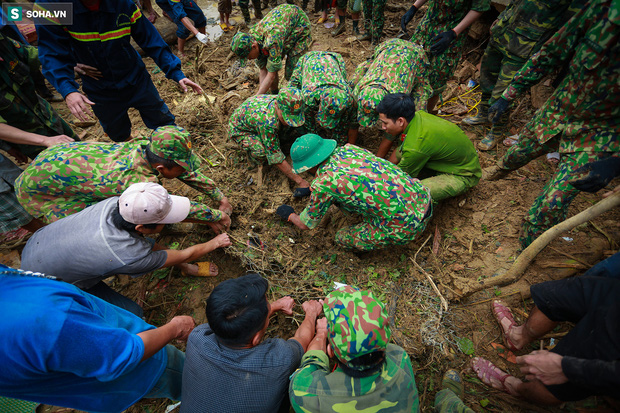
(217, 378)
(86, 247)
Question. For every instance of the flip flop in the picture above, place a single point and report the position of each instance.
(301, 192)
(503, 313)
(205, 269)
(224, 27)
(487, 371)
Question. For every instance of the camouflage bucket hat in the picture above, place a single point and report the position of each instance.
(175, 144)
(367, 105)
(357, 323)
(310, 150)
(241, 45)
(290, 101)
(332, 108)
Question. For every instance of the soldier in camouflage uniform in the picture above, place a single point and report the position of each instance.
(283, 33)
(374, 19)
(581, 118)
(261, 122)
(395, 207)
(28, 124)
(371, 375)
(518, 33)
(244, 5)
(329, 104)
(67, 178)
(440, 31)
(397, 66)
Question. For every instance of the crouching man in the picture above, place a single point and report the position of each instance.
(370, 375)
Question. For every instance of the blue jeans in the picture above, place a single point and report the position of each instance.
(169, 384)
(103, 291)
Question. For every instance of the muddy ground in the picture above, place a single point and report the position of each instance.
(470, 238)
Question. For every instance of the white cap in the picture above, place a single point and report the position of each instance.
(150, 203)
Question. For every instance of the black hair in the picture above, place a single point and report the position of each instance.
(153, 159)
(119, 222)
(371, 363)
(237, 309)
(397, 105)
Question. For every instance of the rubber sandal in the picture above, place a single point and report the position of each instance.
(204, 270)
(502, 312)
(301, 192)
(511, 140)
(321, 20)
(487, 371)
(224, 27)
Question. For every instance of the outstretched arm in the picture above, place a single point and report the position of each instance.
(154, 340)
(305, 332)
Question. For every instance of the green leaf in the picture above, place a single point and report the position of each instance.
(465, 345)
(484, 402)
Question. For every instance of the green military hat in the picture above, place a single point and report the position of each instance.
(174, 143)
(332, 107)
(241, 45)
(357, 323)
(291, 103)
(310, 150)
(367, 103)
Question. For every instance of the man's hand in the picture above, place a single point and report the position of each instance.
(220, 226)
(55, 140)
(185, 82)
(202, 38)
(184, 325)
(222, 240)
(497, 109)
(312, 308)
(79, 105)
(442, 41)
(404, 21)
(85, 70)
(225, 206)
(284, 211)
(544, 366)
(596, 175)
(284, 304)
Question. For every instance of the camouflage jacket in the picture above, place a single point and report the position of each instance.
(526, 25)
(359, 182)
(313, 388)
(255, 122)
(585, 107)
(322, 76)
(20, 106)
(67, 178)
(285, 30)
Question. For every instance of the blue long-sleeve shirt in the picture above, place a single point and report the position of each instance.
(102, 39)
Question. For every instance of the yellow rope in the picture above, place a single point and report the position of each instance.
(470, 102)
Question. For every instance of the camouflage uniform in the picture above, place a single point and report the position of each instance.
(357, 325)
(519, 32)
(322, 79)
(284, 31)
(581, 118)
(255, 126)
(394, 206)
(441, 16)
(244, 5)
(374, 18)
(20, 106)
(397, 66)
(67, 178)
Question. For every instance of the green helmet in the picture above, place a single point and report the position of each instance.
(174, 143)
(310, 150)
(241, 45)
(357, 323)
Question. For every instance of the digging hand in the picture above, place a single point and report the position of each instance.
(497, 109)
(406, 18)
(596, 175)
(285, 211)
(442, 41)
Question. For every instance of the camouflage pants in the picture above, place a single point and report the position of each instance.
(374, 18)
(497, 70)
(244, 5)
(448, 402)
(369, 236)
(551, 205)
(257, 151)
